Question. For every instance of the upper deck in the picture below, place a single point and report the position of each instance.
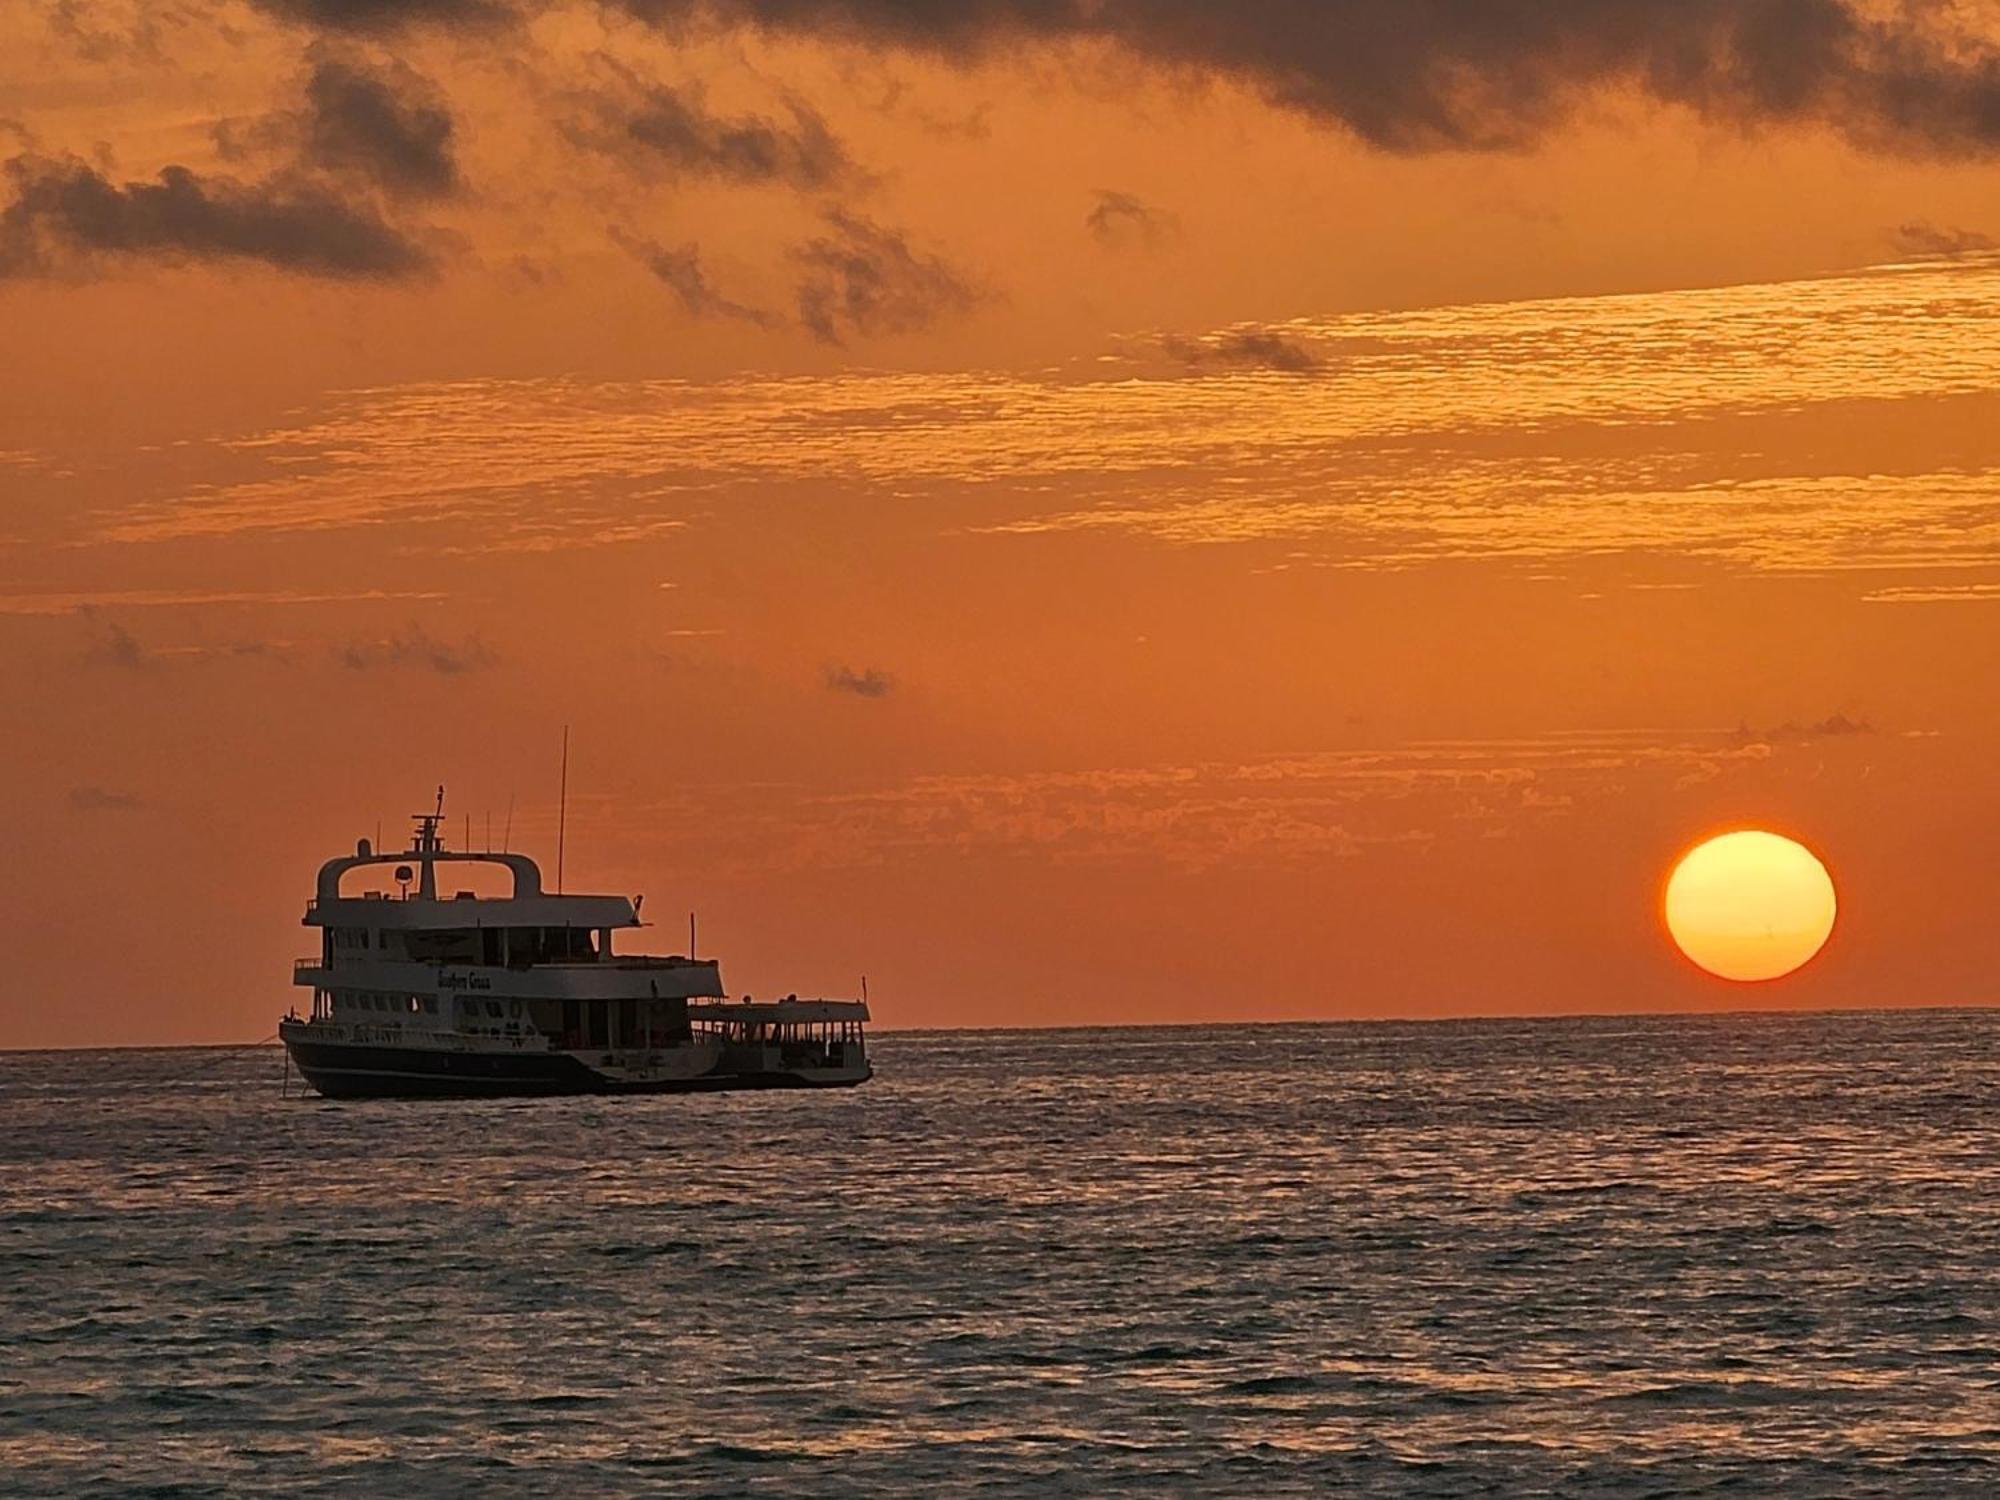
(529, 905)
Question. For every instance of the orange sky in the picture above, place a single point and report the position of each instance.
(1118, 512)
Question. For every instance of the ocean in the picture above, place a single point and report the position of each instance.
(1744, 1254)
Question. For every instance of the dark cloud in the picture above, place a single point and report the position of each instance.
(862, 278)
(1924, 238)
(681, 269)
(363, 17)
(99, 799)
(664, 127)
(1242, 349)
(867, 683)
(65, 212)
(1122, 221)
(386, 124)
(417, 648)
(1425, 75)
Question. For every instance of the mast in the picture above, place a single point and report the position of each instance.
(427, 846)
(562, 811)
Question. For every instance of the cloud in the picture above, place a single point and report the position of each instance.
(1121, 221)
(380, 16)
(1924, 238)
(1427, 75)
(98, 799)
(1240, 349)
(1284, 811)
(71, 603)
(388, 125)
(681, 269)
(662, 126)
(1535, 434)
(417, 648)
(1941, 593)
(112, 645)
(867, 683)
(861, 278)
(100, 38)
(1833, 727)
(65, 212)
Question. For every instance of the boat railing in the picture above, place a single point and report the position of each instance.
(654, 961)
(430, 1040)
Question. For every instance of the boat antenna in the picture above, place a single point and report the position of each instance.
(690, 934)
(864, 989)
(562, 811)
(507, 838)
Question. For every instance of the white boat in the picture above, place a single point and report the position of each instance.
(415, 993)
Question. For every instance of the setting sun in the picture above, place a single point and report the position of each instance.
(1750, 905)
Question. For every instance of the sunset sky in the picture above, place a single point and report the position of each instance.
(1081, 510)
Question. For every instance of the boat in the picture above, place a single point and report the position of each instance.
(418, 994)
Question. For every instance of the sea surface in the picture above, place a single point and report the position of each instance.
(1745, 1255)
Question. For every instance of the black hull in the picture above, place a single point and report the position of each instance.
(341, 1070)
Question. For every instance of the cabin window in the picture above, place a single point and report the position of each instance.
(489, 944)
(460, 945)
(568, 944)
(493, 1009)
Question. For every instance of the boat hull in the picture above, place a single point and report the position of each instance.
(351, 1070)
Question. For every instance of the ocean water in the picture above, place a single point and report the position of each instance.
(1752, 1255)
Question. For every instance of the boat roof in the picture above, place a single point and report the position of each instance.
(528, 906)
(778, 1010)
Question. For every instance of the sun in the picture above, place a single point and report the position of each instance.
(1750, 905)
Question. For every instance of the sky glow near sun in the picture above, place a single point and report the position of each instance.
(1168, 518)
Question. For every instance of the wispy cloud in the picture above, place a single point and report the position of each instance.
(1922, 237)
(1242, 349)
(1527, 431)
(1124, 221)
(112, 645)
(379, 17)
(663, 130)
(1936, 593)
(1280, 811)
(680, 269)
(101, 799)
(1835, 726)
(869, 682)
(415, 648)
(71, 603)
(859, 278)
